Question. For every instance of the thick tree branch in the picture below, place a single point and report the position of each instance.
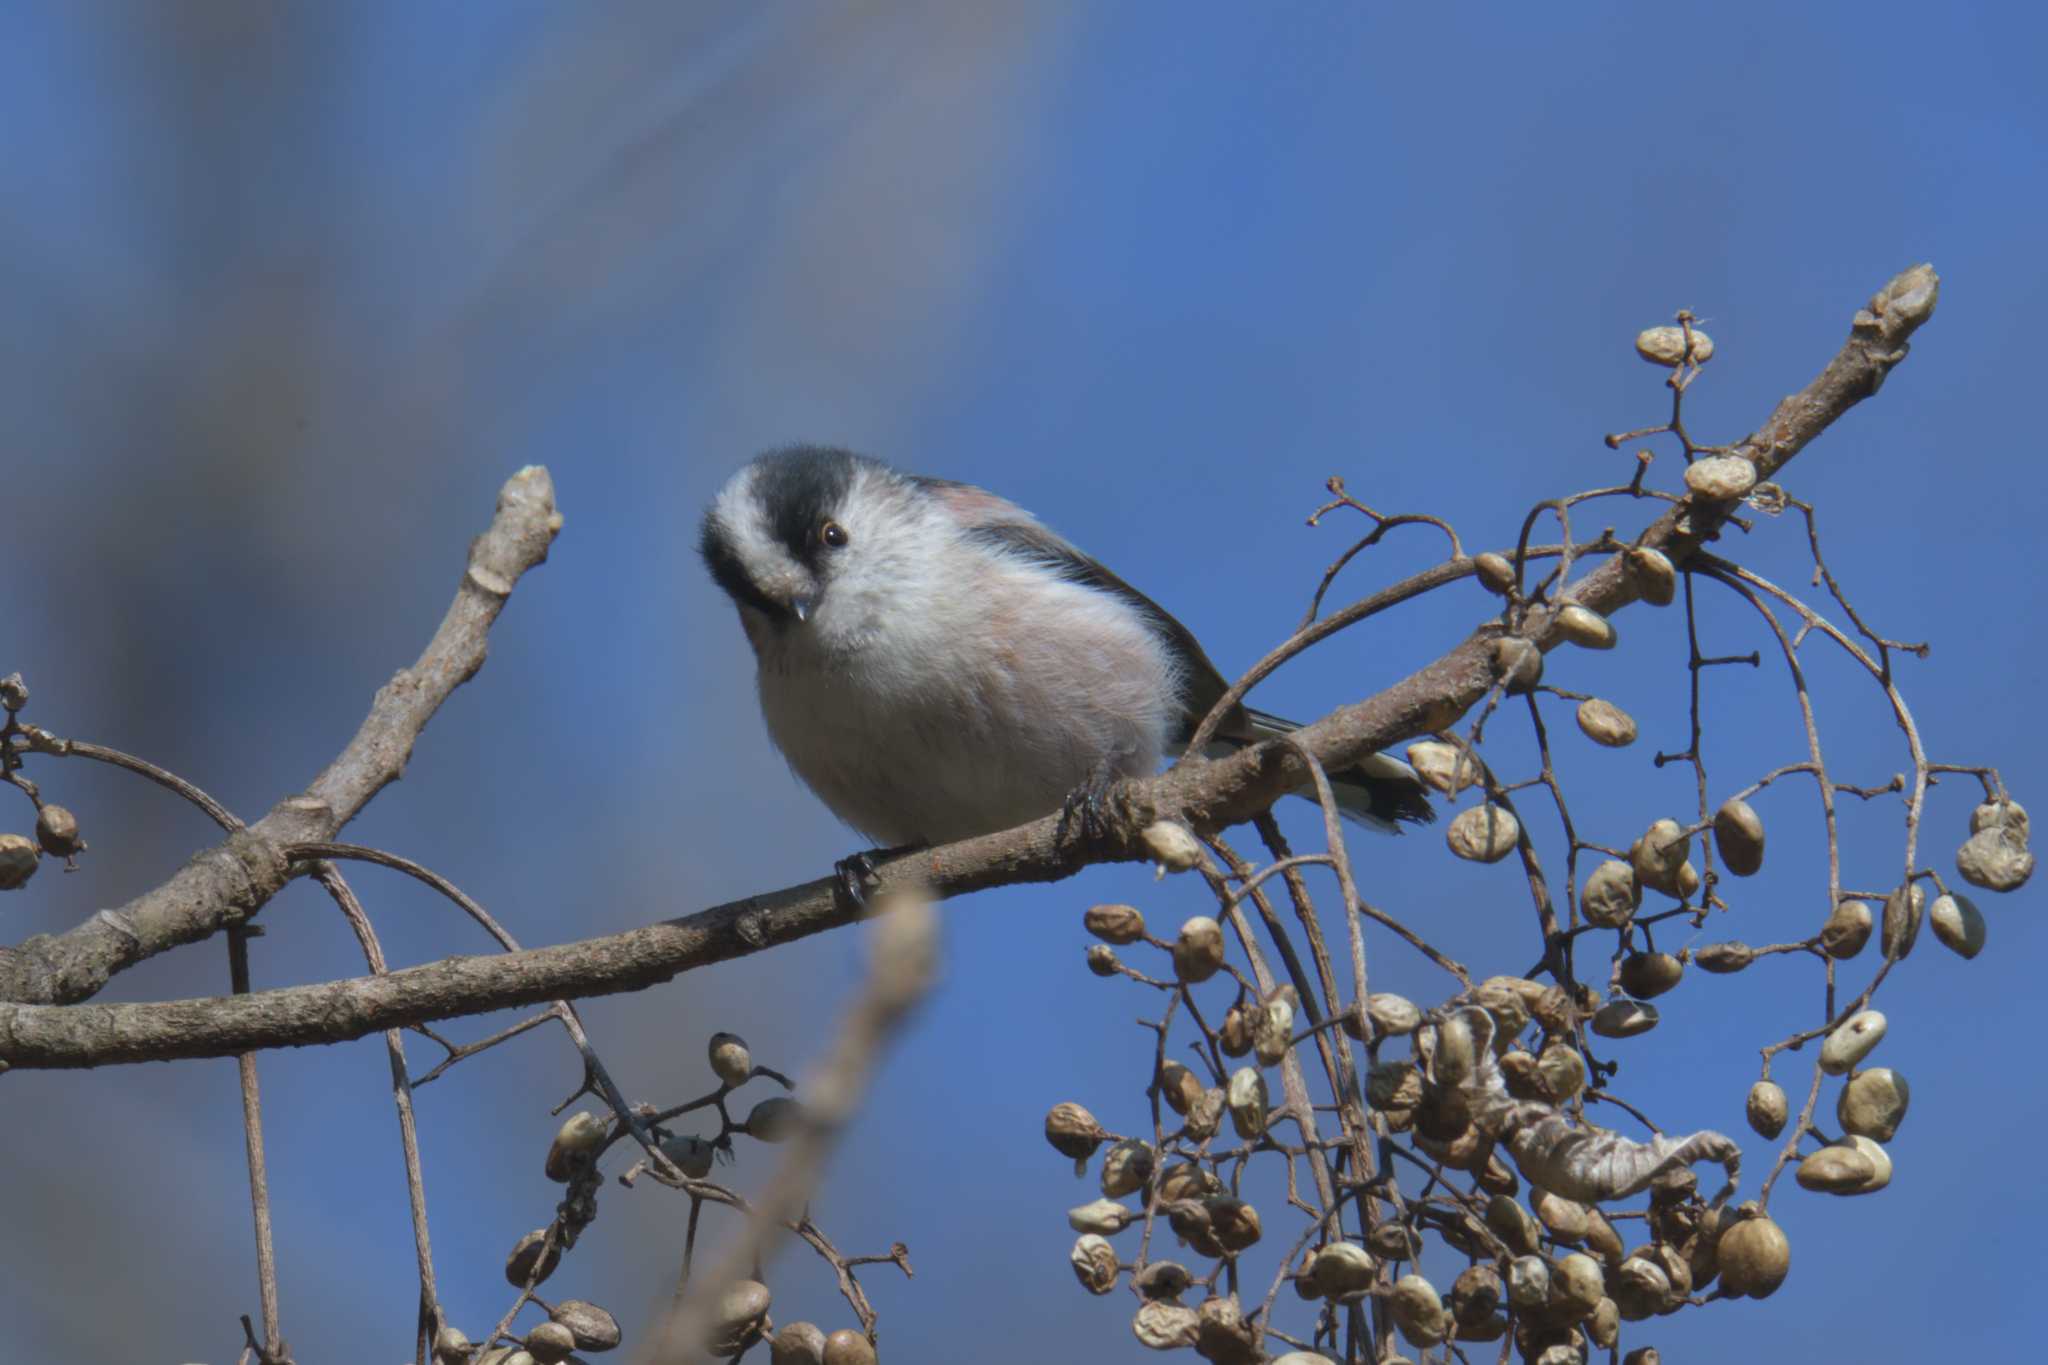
(224, 885)
(1206, 795)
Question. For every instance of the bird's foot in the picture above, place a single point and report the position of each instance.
(1085, 814)
(857, 871)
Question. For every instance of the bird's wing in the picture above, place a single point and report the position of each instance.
(1001, 523)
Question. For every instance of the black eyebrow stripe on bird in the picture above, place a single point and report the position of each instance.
(1202, 684)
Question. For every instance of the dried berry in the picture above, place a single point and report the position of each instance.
(1094, 1262)
(18, 861)
(1723, 478)
(1724, 958)
(1767, 1108)
(1648, 975)
(1125, 1168)
(1739, 835)
(1611, 895)
(1873, 1103)
(1484, 834)
(797, 1343)
(1198, 952)
(1172, 847)
(1583, 627)
(1958, 924)
(730, 1060)
(57, 832)
(1073, 1131)
(1847, 930)
(1496, 572)
(1654, 576)
(1119, 924)
(1446, 767)
(1852, 1042)
(580, 1137)
(1605, 723)
(1673, 346)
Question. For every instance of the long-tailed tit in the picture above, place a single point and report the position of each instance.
(935, 663)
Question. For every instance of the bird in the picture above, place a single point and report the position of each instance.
(935, 663)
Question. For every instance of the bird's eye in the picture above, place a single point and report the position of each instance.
(833, 534)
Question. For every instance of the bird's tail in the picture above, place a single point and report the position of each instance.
(1379, 792)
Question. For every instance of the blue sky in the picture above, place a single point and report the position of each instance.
(292, 289)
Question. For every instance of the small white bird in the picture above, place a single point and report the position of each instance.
(935, 663)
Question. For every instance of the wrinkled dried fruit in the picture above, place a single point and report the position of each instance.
(1563, 1071)
(1205, 1115)
(1659, 855)
(1073, 1131)
(1119, 924)
(1223, 1336)
(1836, 1170)
(1879, 1159)
(1755, 1258)
(1513, 1224)
(1446, 767)
(1996, 858)
(1641, 1288)
(730, 1060)
(1476, 1295)
(1484, 834)
(1102, 959)
(1178, 1086)
(1577, 1284)
(18, 861)
(580, 1136)
(1172, 847)
(1611, 895)
(1723, 958)
(1162, 1280)
(1102, 1216)
(1198, 952)
(1648, 975)
(1958, 924)
(1601, 1237)
(1902, 916)
(1341, 1268)
(1273, 1027)
(1495, 572)
(1393, 1085)
(592, 1328)
(1235, 1223)
(1394, 1016)
(1165, 1326)
(534, 1258)
(1721, 477)
(1235, 1034)
(1603, 1325)
(1605, 723)
(1125, 1168)
(1418, 1310)
(1584, 627)
(1655, 578)
(1873, 1103)
(1996, 814)
(451, 1346)
(1528, 1282)
(550, 1342)
(1767, 1108)
(57, 831)
(1094, 1262)
(1851, 1042)
(1566, 1219)
(1624, 1019)
(1246, 1099)
(1517, 663)
(797, 1343)
(1668, 346)
(1739, 835)
(735, 1319)
(849, 1347)
(1847, 930)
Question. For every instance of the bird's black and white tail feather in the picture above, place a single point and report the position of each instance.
(1380, 792)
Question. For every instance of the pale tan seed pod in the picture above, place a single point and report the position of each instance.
(1624, 1019)
(1755, 1258)
(1118, 924)
(579, 1138)
(1567, 1220)
(534, 1257)
(1073, 1132)
(1656, 580)
(1393, 1085)
(1102, 960)
(776, 1119)
(1584, 627)
(1198, 952)
(1235, 1223)
(1101, 1216)
(1847, 930)
(1235, 1034)
(1879, 1159)
(1094, 1262)
(1836, 1170)
(1648, 975)
(1497, 1177)
(2006, 814)
(1601, 1238)
(1958, 924)
(1903, 911)
(849, 1347)
(1223, 1336)
(591, 1327)
(1125, 1168)
(1446, 767)
(1476, 1295)
(1725, 958)
(1273, 1027)
(1557, 1010)
(1246, 1099)
(1528, 1282)
(1605, 723)
(1739, 835)
(1448, 1049)
(1611, 895)
(1495, 572)
(736, 1317)
(550, 1343)
(1178, 1086)
(1513, 1224)
(797, 1343)
(1766, 1108)
(1518, 663)
(451, 1346)
(692, 1155)
(1723, 478)
(1641, 1288)
(1851, 1042)
(1507, 999)
(1995, 858)
(1205, 1115)
(18, 861)
(1603, 1325)
(1485, 1329)
(1668, 346)
(730, 1060)
(1165, 1326)
(1484, 834)
(1173, 848)
(1563, 1071)
(1873, 1104)
(1658, 855)
(1187, 1180)
(1577, 1284)
(1418, 1310)
(57, 832)
(1191, 1223)
(1394, 1016)
(1342, 1269)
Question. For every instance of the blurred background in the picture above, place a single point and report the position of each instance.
(290, 290)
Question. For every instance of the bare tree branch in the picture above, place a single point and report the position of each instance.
(229, 882)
